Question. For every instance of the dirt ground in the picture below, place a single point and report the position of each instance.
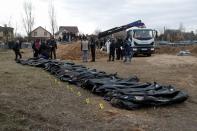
(31, 99)
(72, 51)
(165, 49)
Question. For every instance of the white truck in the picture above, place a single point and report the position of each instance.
(143, 40)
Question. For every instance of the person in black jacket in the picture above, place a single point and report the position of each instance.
(118, 49)
(16, 49)
(121, 49)
(112, 50)
(53, 46)
(93, 48)
(128, 50)
(44, 49)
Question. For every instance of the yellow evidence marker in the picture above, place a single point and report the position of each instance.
(101, 106)
(87, 101)
(79, 93)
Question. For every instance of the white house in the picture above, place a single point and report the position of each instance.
(40, 33)
(6, 34)
(67, 33)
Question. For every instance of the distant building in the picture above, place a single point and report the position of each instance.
(189, 36)
(173, 35)
(6, 34)
(177, 35)
(67, 33)
(40, 33)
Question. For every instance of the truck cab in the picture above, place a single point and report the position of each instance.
(143, 40)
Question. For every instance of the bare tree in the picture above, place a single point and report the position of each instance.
(10, 22)
(15, 29)
(52, 17)
(182, 30)
(28, 19)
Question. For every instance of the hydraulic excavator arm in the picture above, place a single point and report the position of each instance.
(138, 23)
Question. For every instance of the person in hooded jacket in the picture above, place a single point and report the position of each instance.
(16, 49)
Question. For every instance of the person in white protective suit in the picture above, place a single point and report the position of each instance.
(107, 44)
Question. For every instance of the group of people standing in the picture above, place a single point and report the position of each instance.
(121, 48)
(44, 48)
(86, 45)
(41, 49)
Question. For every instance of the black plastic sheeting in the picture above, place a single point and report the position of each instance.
(123, 93)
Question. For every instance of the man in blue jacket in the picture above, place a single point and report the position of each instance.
(128, 50)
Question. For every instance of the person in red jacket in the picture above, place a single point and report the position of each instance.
(36, 47)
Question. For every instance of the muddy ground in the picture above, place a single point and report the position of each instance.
(31, 99)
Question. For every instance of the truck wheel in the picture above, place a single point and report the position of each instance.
(149, 55)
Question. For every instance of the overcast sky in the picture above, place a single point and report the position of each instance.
(89, 15)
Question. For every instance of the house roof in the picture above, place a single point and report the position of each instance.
(4, 28)
(71, 29)
(42, 28)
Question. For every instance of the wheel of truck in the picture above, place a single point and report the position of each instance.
(149, 55)
(134, 55)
